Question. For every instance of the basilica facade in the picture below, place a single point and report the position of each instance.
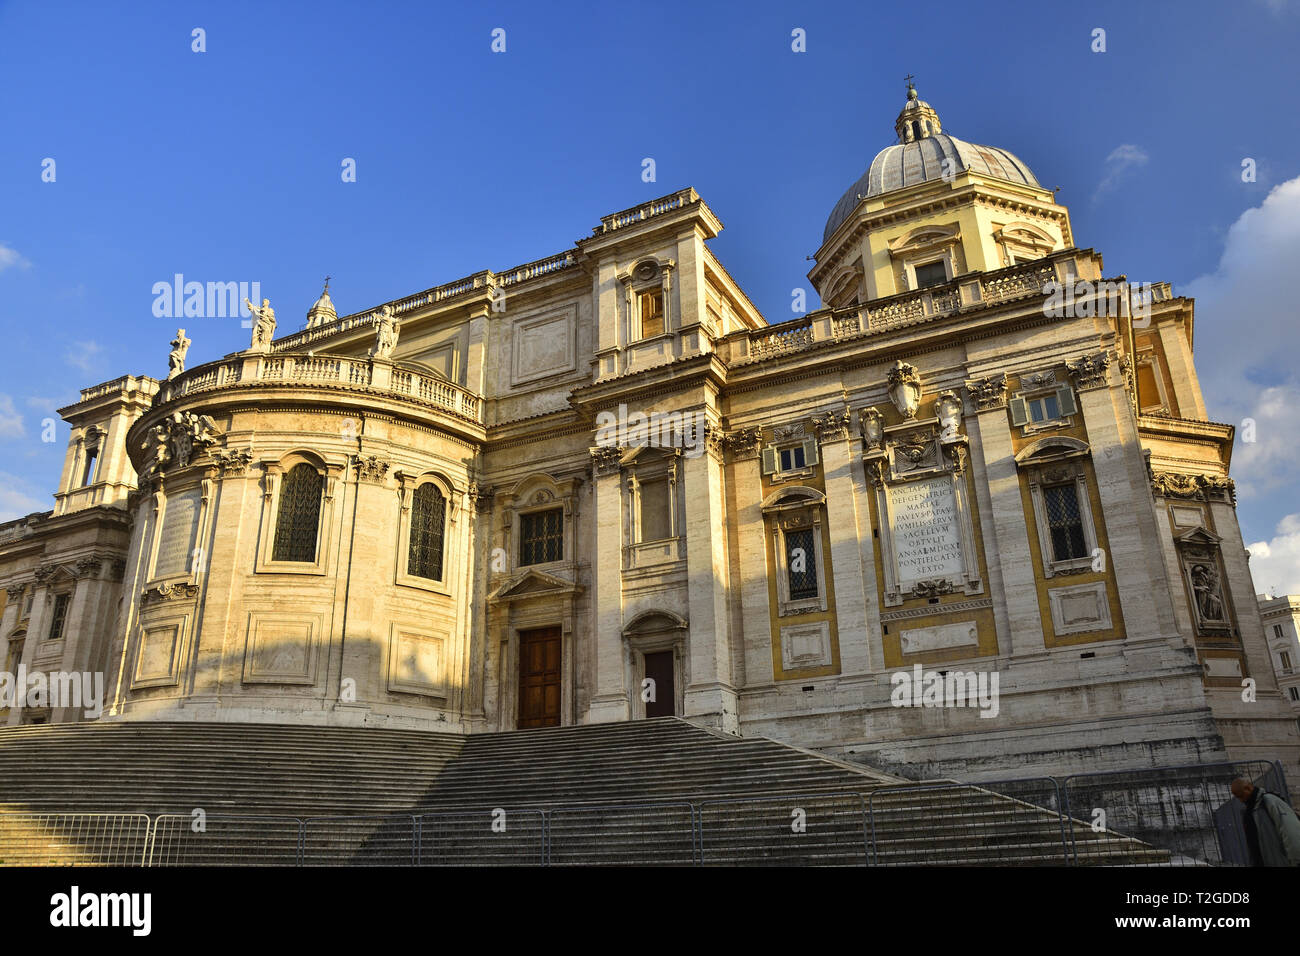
(601, 486)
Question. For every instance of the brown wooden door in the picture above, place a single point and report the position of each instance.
(659, 668)
(539, 678)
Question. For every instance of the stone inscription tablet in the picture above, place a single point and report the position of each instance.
(927, 541)
(180, 522)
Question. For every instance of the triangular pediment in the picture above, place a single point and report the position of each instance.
(531, 584)
(1199, 536)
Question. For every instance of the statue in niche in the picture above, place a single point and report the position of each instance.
(264, 327)
(386, 329)
(1209, 600)
(176, 358)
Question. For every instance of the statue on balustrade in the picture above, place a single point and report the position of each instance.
(386, 329)
(264, 327)
(176, 358)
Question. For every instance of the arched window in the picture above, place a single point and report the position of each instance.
(298, 520)
(428, 520)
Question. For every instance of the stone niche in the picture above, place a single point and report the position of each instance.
(918, 469)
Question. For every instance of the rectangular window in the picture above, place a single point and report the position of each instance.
(652, 313)
(1277, 630)
(1044, 409)
(60, 614)
(27, 601)
(801, 561)
(792, 459)
(1286, 660)
(1294, 692)
(1064, 522)
(92, 459)
(541, 537)
(930, 274)
(1148, 389)
(655, 520)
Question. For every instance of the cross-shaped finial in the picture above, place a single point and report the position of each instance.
(908, 80)
(327, 282)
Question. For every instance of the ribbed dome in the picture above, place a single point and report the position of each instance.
(322, 311)
(921, 159)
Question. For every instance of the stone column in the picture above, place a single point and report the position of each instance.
(995, 470)
(755, 609)
(1125, 494)
(609, 699)
(710, 691)
(848, 522)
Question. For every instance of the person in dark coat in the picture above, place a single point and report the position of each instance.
(1272, 829)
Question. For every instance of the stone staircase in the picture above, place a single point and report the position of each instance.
(650, 792)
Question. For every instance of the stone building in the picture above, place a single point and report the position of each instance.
(601, 486)
(1281, 617)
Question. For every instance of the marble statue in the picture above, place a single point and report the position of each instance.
(386, 329)
(264, 327)
(176, 358)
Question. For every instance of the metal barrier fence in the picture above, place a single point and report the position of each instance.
(1003, 823)
(1166, 816)
(1187, 815)
(74, 839)
(226, 840)
(785, 830)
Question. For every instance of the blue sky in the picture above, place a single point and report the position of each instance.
(225, 165)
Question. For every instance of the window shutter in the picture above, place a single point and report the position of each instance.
(769, 460)
(1065, 400)
(810, 451)
(1019, 414)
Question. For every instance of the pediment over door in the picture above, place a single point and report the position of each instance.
(533, 584)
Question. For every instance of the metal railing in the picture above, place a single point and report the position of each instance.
(1165, 816)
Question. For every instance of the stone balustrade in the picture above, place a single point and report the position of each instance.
(657, 207)
(894, 312)
(293, 369)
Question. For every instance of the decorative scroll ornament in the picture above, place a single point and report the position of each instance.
(989, 392)
(714, 441)
(1169, 484)
(169, 592)
(605, 459)
(832, 425)
(178, 438)
(45, 572)
(1090, 371)
(233, 463)
(932, 589)
(905, 388)
(371, 469)
(743, 443)
(89, 567)
(873, 428)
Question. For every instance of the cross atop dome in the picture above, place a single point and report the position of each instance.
(918, 120)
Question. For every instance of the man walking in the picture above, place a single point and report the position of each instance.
(1272, 829)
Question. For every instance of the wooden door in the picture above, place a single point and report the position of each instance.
(539, 678)
(659, 668)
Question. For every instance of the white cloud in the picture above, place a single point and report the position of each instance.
(11, 423)
(1246, 336)
(1121, 159)
(48, 405)
(16, 502)
(10, 258)
(82, 354)
(1275, 564)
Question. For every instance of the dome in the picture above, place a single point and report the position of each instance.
(323, 310)
(919, 158)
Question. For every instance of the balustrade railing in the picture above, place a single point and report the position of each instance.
(319, 369)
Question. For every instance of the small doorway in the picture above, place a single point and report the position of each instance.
(539, 678)
(659, 668)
